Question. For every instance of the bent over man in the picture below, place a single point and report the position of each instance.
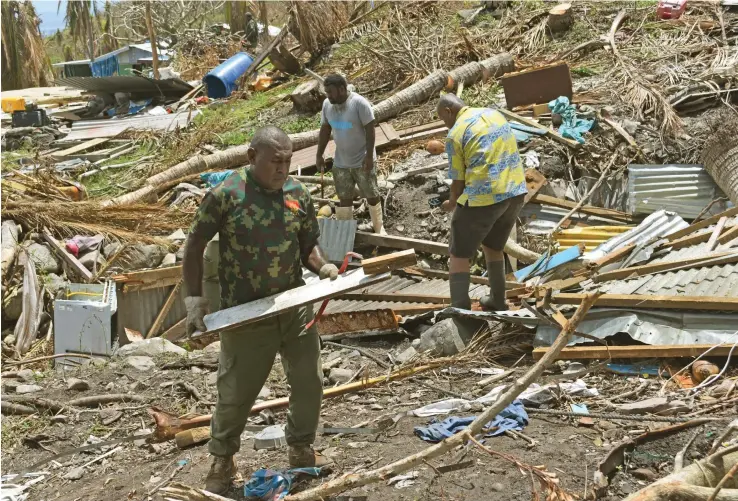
(487, 192)
(351, 119)
(267, 228)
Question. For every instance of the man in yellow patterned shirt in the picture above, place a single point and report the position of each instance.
(487, 192)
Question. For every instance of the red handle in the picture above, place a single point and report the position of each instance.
(342, 269)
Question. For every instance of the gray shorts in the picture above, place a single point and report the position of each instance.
(489, 225)
(345, 180)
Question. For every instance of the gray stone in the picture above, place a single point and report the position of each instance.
(180, 254)
(93, 260)
(110, 249)
(645, 474)
(212, 379)
(169, 260)
(150, 347)
(42, 257)
(22, 389)
(11, 384)
(55, 284)
(406, 355)
(212, 348)
(74, 384)
(141, 363)
(497, 487)
(178, 235)
(9, 340)
(442, 339)
(145, 256)
(13, 305)
(353, 354)
(265, 393)
(74, 474)
(338, 375)
(658, 405)
(27, 375)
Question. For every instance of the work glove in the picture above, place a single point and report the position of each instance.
(328, 270)
(197, 307)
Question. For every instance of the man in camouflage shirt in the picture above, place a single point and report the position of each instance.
(268, 230)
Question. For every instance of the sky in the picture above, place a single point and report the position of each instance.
(50, 20)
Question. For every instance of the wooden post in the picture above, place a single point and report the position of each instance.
(156, 326)
(152, 40)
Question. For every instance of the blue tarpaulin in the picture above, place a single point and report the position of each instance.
(571, 126)
(273, 485)
(512, 417)
(105, 66)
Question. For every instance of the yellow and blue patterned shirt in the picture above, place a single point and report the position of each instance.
(483, 153)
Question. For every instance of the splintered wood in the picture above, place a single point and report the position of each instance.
(389, 262)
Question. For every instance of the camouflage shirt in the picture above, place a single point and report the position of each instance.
(263, 235)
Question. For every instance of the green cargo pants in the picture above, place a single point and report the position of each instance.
(246, 358)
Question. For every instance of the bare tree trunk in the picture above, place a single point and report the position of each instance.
(264, 20)
(152, 40)
(720, 158)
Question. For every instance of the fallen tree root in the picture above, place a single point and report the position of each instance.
(350, 481)
(9, 408)
(36, 402)
(694, 482)
(105, 399)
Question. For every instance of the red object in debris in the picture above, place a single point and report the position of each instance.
(201, 100)
(72, 248)
(671, 9)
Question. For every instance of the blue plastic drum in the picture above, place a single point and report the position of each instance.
(223, 79)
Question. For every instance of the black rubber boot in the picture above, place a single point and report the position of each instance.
(495, 301)
(459, 285)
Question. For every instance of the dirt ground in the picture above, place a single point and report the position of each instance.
(570, 451)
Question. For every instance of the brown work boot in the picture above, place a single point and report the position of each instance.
(221, 473)
(303, 456)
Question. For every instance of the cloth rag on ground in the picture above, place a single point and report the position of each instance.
(79, 244)
(512, 417)
(571, 126)
(273, 485)
(213, 179)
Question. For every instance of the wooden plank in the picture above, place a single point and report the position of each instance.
(539, 84)
(173, 296)
(444, 275)
(176, 331)
(82, 147)
(713, 242)
(271, 306)
(422, 135)
(687, 241)
(389, 262)
(586, 209)
(533, 123)
(421, 128)
(419, 309)
(651, 302)
(562, 284)
(646, 269)
(395, 242)
(728, 235)
(639, 351)
(701, 224)
(389, 132)
(72, 262)
(614, 256)
(534, 181)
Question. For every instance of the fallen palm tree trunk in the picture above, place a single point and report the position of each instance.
(351, 481)
(694, 482)
(417, 93)
(720, 158)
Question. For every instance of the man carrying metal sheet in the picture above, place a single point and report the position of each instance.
(268, 230)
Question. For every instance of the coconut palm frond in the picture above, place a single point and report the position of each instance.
(25, 62)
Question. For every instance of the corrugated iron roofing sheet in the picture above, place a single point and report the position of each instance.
(685, 189)
(90, 129)
(540, 219)
(336, 237)
(171, 88)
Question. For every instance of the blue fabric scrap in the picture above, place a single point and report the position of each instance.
(273, 485)
(512, 417)
(213, 179)
(571, 126)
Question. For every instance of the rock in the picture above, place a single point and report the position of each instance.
(110, 249)
(27, 375)
(109, 387)
(353, 354)
(497, 487)
(141, 363)
(169, 260)
(212, 348)
(22, 389)
(42, 257)
(195, 370)
(358, 445)
(178, 236)
(264, 393)
(93, 260)
(150, 347)
(212, 379)
(55, 284)
(74, 474)
(59, 418)
(11, 384)
(13, 306)
(442, 339)
(659, 405)
(406, 355)
(180, 254)
(74, 384)
(146, 256)
(110, 416)
(645, 474)
(338, 375)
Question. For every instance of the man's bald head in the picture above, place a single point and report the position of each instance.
(448, 107)
(270, 153)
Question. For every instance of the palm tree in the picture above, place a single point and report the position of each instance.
(109, 42)
(80, 25)
(24, 62)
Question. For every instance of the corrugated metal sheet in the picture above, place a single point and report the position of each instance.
(540, 219)
(658, 224)
(699, 249)
(138, 310)
(171, 88)
(590, 236)
(336, 237)
(685, 189)
(90, 129)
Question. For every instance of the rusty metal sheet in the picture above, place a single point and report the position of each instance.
(537, 85)
(357, 321)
